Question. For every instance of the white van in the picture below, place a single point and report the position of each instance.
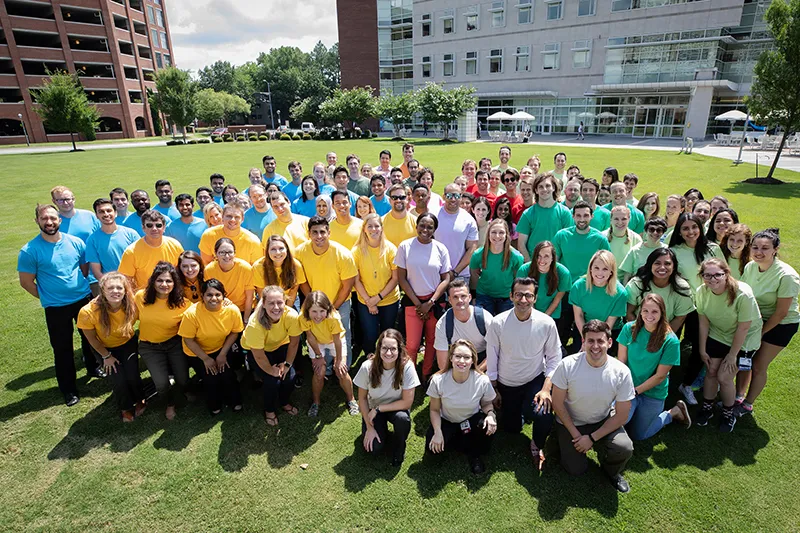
(307, 127)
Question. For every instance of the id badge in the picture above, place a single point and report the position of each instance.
(465, 427)
(745, 362)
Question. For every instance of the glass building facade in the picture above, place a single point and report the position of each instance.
(395, 46)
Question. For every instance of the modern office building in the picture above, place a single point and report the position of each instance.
(115, 46)
(642, 68)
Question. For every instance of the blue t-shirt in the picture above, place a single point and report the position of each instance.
(353, 200)
(292, 191)
(170, 212)
(326, 188)
(381, 206)
(134, 221)
(219, 200)
(57, 267)
(121, 218)
(82, 224)
(106, 248)
(278, 180)
(255, 222)
(307, 208)
(198, 214)
(187, 234)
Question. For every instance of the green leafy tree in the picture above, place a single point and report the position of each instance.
(233, 106)
(398, 109)
(176, 92)
(63, 106)
(775, 93)
(441, 106)
(209, 105)
(354, 105)
(155, 111)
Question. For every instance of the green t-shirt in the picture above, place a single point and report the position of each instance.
(676, 304)
(778, 281)
(574, 250)
(733, 264)
(543, 300)
(620, 248)
(542, 223)
(636, 223)
(643, 364)
(494, 281)
(601, 219)
(725, 318)
(637, 257)
(598, 304)
(688, 267)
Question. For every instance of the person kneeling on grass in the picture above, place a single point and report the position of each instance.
(325, 348)
(386, 383)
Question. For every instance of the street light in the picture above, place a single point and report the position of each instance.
(25, 131)
(279, 117)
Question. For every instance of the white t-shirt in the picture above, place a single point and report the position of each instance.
(468, 331)
(454, 231)
(385, 393)
(592, 391)
(424, 264)
(461, 400)
(517, 352)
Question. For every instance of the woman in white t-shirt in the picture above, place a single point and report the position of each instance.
(386, 383)
(462, 416)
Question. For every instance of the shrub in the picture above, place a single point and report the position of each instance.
(175, 142)
(191, 141)
(240, 137)
(228, 139)
(306, 137)
(374, 135)
(227, 136)
(366, 134)
(286, 137)
(297, 137)
(216, 139)
(263, 137)
(398, 139)
(203, 141)
(253, 137)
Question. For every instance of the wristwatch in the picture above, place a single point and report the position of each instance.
(378, 410)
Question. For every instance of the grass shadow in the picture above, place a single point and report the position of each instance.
(433, 473)
(360, 469)
(31, 378)
(40, 400)
(787, 190)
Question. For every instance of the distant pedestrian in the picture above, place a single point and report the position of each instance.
(581, 137)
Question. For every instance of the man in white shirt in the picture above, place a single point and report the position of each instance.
(457, 230)
(592, 396)
(461, 321)
(522, 352)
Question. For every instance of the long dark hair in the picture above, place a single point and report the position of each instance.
(193, 256)
(303, 193)
(508, 218)
(551, 278)
(175, 297)
(662, 330)
(711, 235)
(376, 372)
(645, 273)
(701, 248)
(288, 274)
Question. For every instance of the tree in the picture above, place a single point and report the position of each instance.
(440, 106)
(176, 92)
(233, 105)
(775, 93)
(398, 109)
(155, 111)
(209, 106)
(226, 78)
(63, 106)
(355, 105)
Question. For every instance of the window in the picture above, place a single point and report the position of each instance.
(587, 7)
(496, 60)
(582, 54)
(164, 44)
(550, 56)
(448, 65)
(554, 9)
(448, 22)
(498, 11)
(158, 60)
(426, 66)
(159, 18)
(523, 58)
(151, 15)
(427, 27)
(167, 60)
(471, 63)
(154, 37)
(525, 12)
(471, 14)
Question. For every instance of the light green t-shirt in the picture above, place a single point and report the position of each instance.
(542, 223)
(543, 300)
(598, 304)
(734, 264)
(620, 248)
(601, 218)
(688, 267)
(575, 250)
(636, 223)
(676, 304)
(779, 281)
(494, 281)
(643, 364)
(724, 318)
(637, 257)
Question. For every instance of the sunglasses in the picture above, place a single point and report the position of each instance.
(151, 225)
(510, 180)
(452, 195)
(403, 197)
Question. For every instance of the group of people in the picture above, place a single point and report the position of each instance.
(536, 296)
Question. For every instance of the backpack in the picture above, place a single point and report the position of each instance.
(449, 323)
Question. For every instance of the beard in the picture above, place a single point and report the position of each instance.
(50, 231)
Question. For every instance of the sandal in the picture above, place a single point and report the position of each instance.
(127, 416)
(290, 409)
(271, 419)
(538, 457)
(141, 407)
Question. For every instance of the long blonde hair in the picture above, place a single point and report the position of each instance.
(506, 244)
(363, 238)
(608, 258)
(104, 307)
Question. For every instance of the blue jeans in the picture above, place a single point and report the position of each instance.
(646, 418)
(494, 306)
(373, 325)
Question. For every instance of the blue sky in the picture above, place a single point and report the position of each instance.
(204, 31)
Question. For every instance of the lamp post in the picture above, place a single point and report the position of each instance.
(279, 117)
(24, 130)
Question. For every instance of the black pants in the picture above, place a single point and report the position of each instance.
(125, 378)
(691, 333)
(474, 443)
(401, 425)
(518, 408)
(275, 391)
(566, 327)
(221, 388)
(164, 359)
(60, 329)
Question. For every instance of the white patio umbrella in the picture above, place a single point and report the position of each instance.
(521, 116)
(606, 114)
(500, 115)
(731, 116)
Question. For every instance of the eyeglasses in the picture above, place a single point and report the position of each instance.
(397, 197)
(388, 349)
(226, 253)
(655, 230)
(525, 295)
(65, 200)
(151, 225)
(452, 195)
(718, 275)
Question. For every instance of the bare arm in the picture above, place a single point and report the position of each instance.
(96, 270)
(630, 315)
(28, 282)
(344, 292)
(402, 404)
(662, 371)
(305, 288)
(559, 396)
(248, 304)
(676, 323)
(474, 274)
(522, 246)
(579, 320)
(469, 248)
(615, 422)
(555, 303)
(781, 310)
(402, 279)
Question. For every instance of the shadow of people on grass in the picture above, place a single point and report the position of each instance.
(360, 469)
(26, 380)
(789, 189)
(40, 400)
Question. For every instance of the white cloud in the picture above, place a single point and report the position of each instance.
(205, 31)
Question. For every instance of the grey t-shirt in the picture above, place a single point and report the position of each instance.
(591, 391)
(461, 330)
(461, 400)
(385, 392)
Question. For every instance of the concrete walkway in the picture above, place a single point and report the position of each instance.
(44, 148)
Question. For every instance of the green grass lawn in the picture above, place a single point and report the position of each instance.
(80, 468)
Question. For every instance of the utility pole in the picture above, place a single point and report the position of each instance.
(24, 129)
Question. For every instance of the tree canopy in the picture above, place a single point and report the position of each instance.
(443, 106)
(354, 105)
(176, 96)
(398, 109)
(63, 106)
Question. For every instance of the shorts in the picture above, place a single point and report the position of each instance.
(329, 353)
(719, 350)
(781, 335)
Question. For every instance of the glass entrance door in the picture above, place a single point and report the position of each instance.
(646, 121)
(547, 120)
(659, 122)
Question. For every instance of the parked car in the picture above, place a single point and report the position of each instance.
(307, 127)
(283, 128)
(219, 131)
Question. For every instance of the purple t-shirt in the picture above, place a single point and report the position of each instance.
(424, 264)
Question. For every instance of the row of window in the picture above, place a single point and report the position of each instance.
(551, 57)
(154, 37)
(155, 16)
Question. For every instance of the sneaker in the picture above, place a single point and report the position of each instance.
(703, 417)
(741, 409)
(688, 393)
(98, 373)
(313, 411)
(352, 407)
(727, 423)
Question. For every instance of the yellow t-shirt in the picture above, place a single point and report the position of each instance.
(157, 322)
(257, 336)
(325, 330)
(209, 329)
(376, 271)
(247, 245)
(326, 272)
(346, 235)
(140, 259)
(236, 281)
(89, 318)
(260, 282)
(193, 296)
(295, 232)
(398, 230)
